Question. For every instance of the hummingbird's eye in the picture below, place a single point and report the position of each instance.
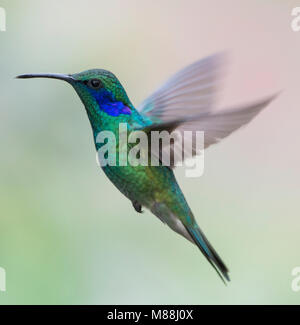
(94, 83)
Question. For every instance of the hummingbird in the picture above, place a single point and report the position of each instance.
(184, 102)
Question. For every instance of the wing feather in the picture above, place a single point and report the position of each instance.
(191, 90)
(186, 103)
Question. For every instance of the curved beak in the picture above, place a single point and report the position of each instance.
(60, 76)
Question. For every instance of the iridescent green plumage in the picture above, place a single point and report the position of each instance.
(185, 102)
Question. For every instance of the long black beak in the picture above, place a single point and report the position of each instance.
(59, 76)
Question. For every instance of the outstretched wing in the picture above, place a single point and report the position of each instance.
(218, 125)
(190, 91)
(186, 102)
(215, 125)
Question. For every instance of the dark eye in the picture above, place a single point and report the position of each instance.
(94, 83)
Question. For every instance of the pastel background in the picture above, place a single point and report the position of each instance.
(67, 236)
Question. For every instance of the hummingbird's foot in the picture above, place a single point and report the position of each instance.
(137, 206)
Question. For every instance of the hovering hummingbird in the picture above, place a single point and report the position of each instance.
(184, 102)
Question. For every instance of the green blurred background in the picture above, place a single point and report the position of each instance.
(67, 236)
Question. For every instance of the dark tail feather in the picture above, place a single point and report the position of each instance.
(208, 251)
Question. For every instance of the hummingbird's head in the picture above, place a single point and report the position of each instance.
(99, 90)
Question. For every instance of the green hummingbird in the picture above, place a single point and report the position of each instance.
(184, 102)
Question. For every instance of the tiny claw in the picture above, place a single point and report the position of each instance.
(137, 206)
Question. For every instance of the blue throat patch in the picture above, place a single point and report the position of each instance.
(108, 104)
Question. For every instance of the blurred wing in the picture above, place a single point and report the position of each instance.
(188, 92)
(216, 126)
(219, 125)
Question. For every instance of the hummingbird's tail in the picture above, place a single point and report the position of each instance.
(191, 231)
(208, 251)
